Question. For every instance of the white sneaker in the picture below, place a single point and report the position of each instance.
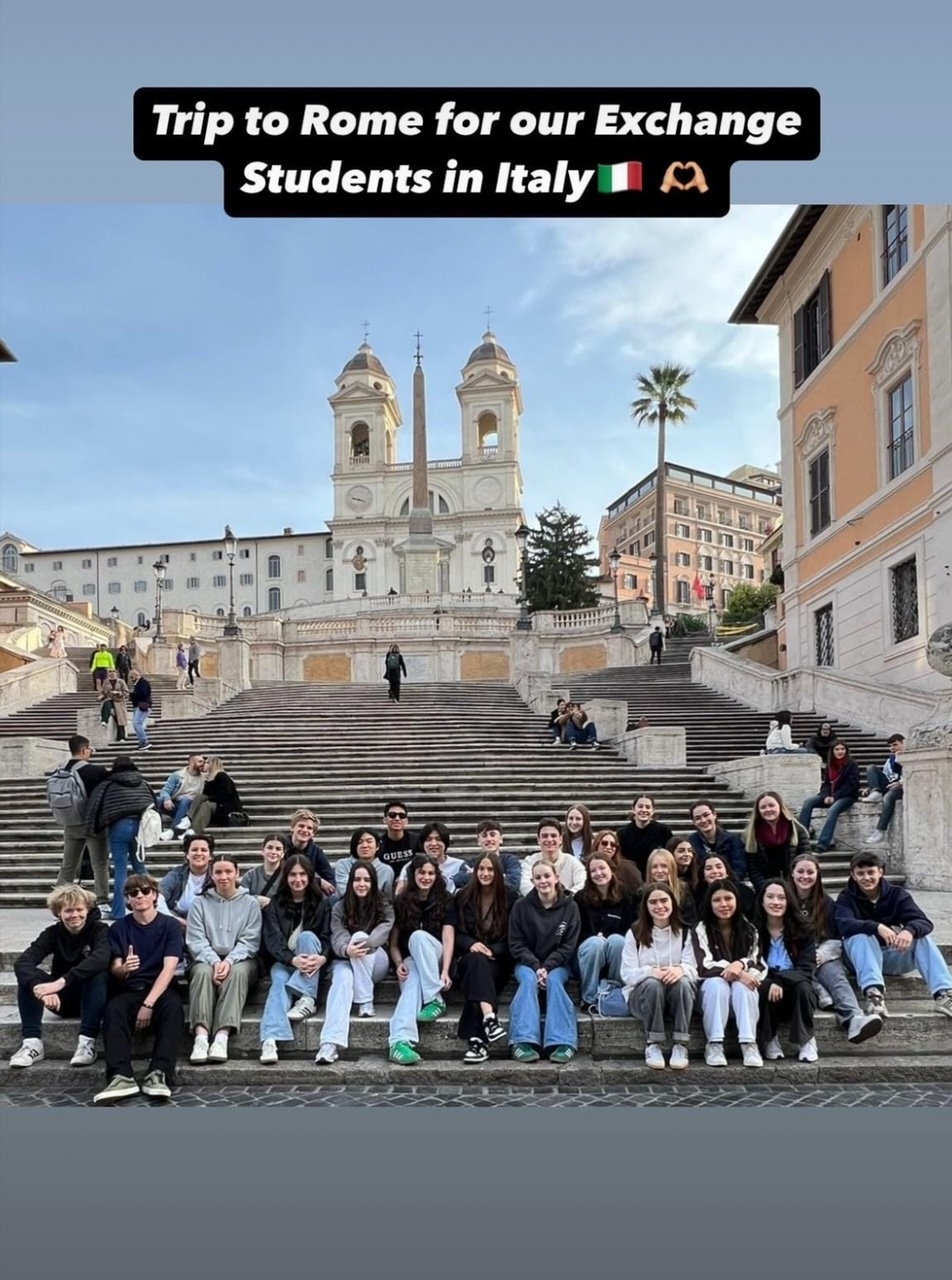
(182, 825)
(269, 1052)
(808, 1051)
(878, 837)
(199, 1050)
(824, 1000)
(366, 1011)
(752, 1056)
(871, 797)
(654, 1057)
(773, 1051)
(219, 1050)
(30, 1051)
(167, 835)
(327, 1053)
(714, 1055)
(304, 1008)
(85, 1054)
(679, 1057)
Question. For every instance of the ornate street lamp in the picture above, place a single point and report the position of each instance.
(232, 630)
(614, 560)
(522, 542)
(159, 569)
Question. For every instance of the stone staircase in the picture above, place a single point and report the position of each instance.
(56, 717)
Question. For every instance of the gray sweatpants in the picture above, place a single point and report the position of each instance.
(75, 840)
(219, 1008)
(651, 999)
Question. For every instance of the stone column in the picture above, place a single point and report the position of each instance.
(234, 662)
(927, 784)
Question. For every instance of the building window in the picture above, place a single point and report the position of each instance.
(219, 612)
(244, 553)
(682, 560)
(114, 588)
(823, 636)
(191, 584)
(489, 574)
(746, 544)
(684, 592)
(328, 548)
(246, 611)
(680, 507)
(682, 531)
(360, 582)
(141, 619)
(649, 538)
(702, 512)
(164, 558)
(895, 240)
(10, 558)
(812, 332)
(27, 568)
(764, 526)
(274, 567)
(723, 517)
(748, 572)
(904, 592)
(819, 493)
(274, 599)
(89, 588)
(140, 560)
(167, 585)
(302, 575)
(705, 535)
(630, 582)
(725, 540)
(328, 579)
(727, 568)
(112, 562)
(246, 579)
(300, 548)
(745, 522)
(140, 586)
(87, 564)
(192, 555)
(901, 444)
(706, 562)
(219, 580)
(57, 566)
(218, 555)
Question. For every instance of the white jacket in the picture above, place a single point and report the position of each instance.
(667, 949)
(779, 738)
(568, 868)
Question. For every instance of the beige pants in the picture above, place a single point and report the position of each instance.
(219, 1008)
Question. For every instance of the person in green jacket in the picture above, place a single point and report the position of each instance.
(103, 662)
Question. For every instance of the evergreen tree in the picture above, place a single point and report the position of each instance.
(559, 573)
(748, 604)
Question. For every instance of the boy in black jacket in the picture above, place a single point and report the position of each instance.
(885, 931)
(76, 984)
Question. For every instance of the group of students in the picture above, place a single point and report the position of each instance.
(650, 924)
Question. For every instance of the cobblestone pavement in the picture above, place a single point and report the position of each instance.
(920, 1095)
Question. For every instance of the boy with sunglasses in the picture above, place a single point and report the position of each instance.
(397, 841)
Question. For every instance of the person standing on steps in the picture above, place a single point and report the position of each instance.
(786, 993)
(772, 840)
(731, 969)
(68, 798)
(57, 643)
(643, 834)
(656, 645)
(421, 947)
(141, 697)
(181, 667)
(393, 666)
(102, 663)
(885, 784)
(543, 935)
(303, 826)
(397, 841)
(710, 837)
(838, 793)
(114, 695)
(483, 964)
(659, 973)
(116, 807)
(194, 657)
(123, 663)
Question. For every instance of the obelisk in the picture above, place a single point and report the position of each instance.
(421, 517)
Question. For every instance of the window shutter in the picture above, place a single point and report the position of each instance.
(825, 317)
(798, 347)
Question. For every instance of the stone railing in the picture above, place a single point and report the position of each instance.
(449, 602)
(36, 680)
(449, 625)
(27, 608)
(180, 623)
(632, 614)
(440, 464)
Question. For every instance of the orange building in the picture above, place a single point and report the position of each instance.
(862, 297)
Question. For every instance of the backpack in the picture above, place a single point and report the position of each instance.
(393, 662)
(150, 828)
(66, 797)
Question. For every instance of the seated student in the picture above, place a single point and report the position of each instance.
(558, 719)
(397, 841)
(710, 837)
(822, 741)
(606, 913)
(77, 946)
(421, 948)
(659, 973)
(146, 950)
(731, 970)
(489, 840)
(434, 839)
(662, 869)
(364, 847)
(543, 934)
(262, 881)
(885, 784)
(579, 730)
(885, 931)
(643, 833)
(569, 870)
(837, 793)
(483, 963)
(219, 798)
(361, 923)
(179, 888)
(296, 938)
(689, 870)
(605, 843)
(715, 868)
(831, 984)
(772, 840)
(223, 934)
(780, 739)
(786, 993)
(303, 826)
(182, 788)
(577, 833)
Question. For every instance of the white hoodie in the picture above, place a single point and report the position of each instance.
(779, 738)
(568, 868)
(667, 950)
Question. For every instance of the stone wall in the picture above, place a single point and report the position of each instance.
(38, 680)
(327, 668)
(484, 664)
(583, 657)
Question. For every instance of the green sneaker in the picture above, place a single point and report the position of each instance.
(404, 1054)
(431, 1011)
(525, 1053)
(562, 1053)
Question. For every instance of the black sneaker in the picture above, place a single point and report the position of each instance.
(492, 1029)
(478, 1051)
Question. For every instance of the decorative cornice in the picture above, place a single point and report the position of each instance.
(817, 429)
(896, 349)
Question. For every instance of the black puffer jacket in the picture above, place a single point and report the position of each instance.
(121, 795)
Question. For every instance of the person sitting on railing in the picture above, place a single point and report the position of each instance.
(885, 784)
(838, 793)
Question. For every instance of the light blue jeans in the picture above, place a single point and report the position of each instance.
(422, 986)
(123, 845)
(138, 723)
(832, 811)
(286, 983)
(352, 982)
(525, 1013)
(871, 961)
(595, 957)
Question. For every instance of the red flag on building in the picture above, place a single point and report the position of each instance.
(698, 587)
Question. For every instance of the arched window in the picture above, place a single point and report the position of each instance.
(274, 566)
(58, 589)
(438, 505)
(219, 613)
(246, 611)
(487, 431)
(360, 440)
(141, 619)
(274, 599)
(11, 558)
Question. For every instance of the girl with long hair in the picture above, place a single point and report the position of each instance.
(605, 844)
(838, 792)
(659, 972)
(297, 938)
(483, 963)
(831, 984)
(714, 867)
(731, 970)
(263, 880)
(606, 911)
(661, 868)
(543, 934)
(421, 948)
(685, 855)
(219, 798)
(772, 839)
(577, 832)
(786, 993)
(361, 923)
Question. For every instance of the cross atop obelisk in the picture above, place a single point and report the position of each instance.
(489, 318)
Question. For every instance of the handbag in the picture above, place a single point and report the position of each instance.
(238, 819)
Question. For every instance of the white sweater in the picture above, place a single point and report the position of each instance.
(779, 738)
(667, 950)
(569, 869)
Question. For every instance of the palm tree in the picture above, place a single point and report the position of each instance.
(662, 400)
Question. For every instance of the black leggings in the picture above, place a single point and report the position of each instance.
(480, 979)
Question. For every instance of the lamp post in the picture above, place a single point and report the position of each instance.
(232, 630)
(711, 606)
(614, 559)
(522, 542)
(159, 569)
(114, 614)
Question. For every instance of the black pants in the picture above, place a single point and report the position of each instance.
(394, 683)
(797, 1007)
(480, 979)
(655, 653)
(193, 671)
(118, 1028)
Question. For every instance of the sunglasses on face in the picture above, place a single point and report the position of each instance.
(138, 893)
(402, 817)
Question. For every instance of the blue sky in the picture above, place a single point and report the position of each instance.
(174, 364)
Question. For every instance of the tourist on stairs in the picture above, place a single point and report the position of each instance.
(885, 784)
(772, 840)
(643, 833)
(786, 993)
(606, 913)
(364, 847)
(822, 742)
(219, 799)
(183, 884)
(303, 826)
(69, 805)
(570, 871)
(141, 699)
(543, 934)
(263, 880)
(361, 923)
(114, 696)
(558, 719)
(182, 788)
(579, 730)
(393, 667)
(710, 837)
(116, 807)
(659, 973)
(837, 793)
(780, 738)
(731, 969)
(421, 948)
(656, 645)
(397, 841)
(483, 963)
(223, 935)
(296, 938)
(577, 833)
(831, 984)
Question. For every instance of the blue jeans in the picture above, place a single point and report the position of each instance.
(525, 1013)
(138, 723)
(587, 733)
(423, 985)
(181, 807)
(123, 847)
(87, 1001)
(285, 984)
(833, 811)
(871, 961)
(593, 958)
(876, 780)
